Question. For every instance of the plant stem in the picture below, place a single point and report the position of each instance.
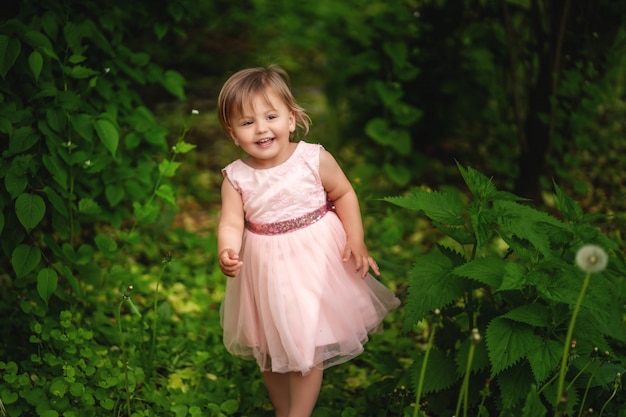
(568, 341)
(582, 402)
(463, 393)
(155, 319)
(123, 350)
(420, 384)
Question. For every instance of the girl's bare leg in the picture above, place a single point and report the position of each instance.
(292, 394)
(278, 388)
(304, 391)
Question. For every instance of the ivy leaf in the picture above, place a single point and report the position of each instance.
(432, 284)
(508, 342)
(30, 209)
(24, 259)
(108, 135)
(47, 281)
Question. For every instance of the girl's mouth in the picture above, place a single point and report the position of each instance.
(265, 142)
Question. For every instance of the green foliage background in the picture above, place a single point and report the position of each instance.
(110, 294)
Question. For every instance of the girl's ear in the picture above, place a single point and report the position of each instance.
(232, 135)
(292, 121)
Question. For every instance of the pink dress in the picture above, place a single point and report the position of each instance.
(295, 305)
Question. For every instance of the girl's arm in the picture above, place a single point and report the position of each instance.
(230, 230)
(341, 193)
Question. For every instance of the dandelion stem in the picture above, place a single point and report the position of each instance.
(463, 393)
(568, 341)
(420, 384)
(609, 399)
(582, 402)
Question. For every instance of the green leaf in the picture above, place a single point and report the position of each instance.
(168, 168)
(105, 244)
(69, 277)
(445, 207)
(56, 200)
(488, 271)
(147, 213)
(174, 82)
(183, 147)
(55, 167)
(389, 93)
(81, 72)
(10, 49)
(47, 281)
(544, 359)
(508, 342)
(35, 61)
(440, 371)
(567, 206)
(22, 140)
(88, 206)
(83, 125)
(533, 314)
(167, 194)
(480, 186)
(399, 174)
(432, 284)
(1, 221)
(40, 42)
(15, 184)
(30, 209)
(527, 223)
(108, 135)
(515, 383)
(533, 406)
(114, 194)
(24, 259)
(230, 406)
(56, 118)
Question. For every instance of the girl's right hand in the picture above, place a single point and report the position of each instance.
(229, 262)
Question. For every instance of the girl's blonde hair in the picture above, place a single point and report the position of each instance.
(240, 89)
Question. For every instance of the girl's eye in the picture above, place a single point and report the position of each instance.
(246, 123)
(272, 116)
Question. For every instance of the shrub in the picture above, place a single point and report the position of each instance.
(507, 270)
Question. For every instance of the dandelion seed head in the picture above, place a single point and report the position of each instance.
(591, 258)
(88, 163)
(106, 70)
(195, 111)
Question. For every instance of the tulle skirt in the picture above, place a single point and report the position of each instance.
(295, 305)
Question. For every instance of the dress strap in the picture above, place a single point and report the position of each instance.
(290, 225)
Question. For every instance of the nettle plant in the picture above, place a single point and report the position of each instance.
(512, 327)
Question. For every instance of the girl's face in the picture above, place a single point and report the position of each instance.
(263, 130)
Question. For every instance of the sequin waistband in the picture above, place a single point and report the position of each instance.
(290, 225)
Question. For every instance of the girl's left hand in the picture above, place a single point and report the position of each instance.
(363, 262)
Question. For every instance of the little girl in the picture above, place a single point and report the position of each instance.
(290, 235)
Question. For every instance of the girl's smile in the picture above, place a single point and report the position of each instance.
(263, 131)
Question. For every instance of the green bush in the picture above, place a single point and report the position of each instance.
(507, 270)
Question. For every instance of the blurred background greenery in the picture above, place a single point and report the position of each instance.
(525, 91)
